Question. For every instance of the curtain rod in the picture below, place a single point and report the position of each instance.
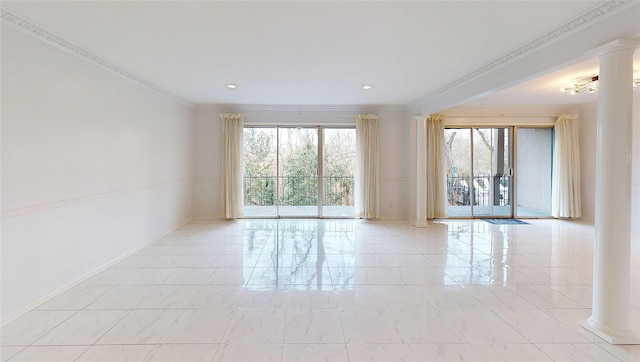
(504, 116)
(300, 115)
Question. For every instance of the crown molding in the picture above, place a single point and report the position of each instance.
(579, 22)
(18, 22)
(302, 109)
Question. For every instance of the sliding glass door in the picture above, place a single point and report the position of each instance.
(484, 182)
(479, 172)
(298, 172)
(534, 157)
(260, 162)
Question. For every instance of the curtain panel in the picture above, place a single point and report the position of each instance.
(436, 191)
(231, 190)
(367, 167)
(565, 184)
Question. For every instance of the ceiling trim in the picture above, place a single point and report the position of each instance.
(577, 23)
(18, 22)
(300, 108)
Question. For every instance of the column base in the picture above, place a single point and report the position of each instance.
(421, 224)
(610, 335)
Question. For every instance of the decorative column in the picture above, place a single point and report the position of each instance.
(610, 314)
(421, 172)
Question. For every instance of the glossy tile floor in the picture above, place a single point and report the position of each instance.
(334, 290)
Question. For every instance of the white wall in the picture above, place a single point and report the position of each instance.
(394, 150)
(588, 135)
(635, 164)
(93, 168)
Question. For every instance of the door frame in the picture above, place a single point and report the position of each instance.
(319, 170)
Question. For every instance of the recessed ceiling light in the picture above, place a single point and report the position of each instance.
(232, 86)
(367, 87)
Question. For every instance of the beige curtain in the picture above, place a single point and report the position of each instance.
(232, 141)
(367, 169)
(436, 192)
(565, 184)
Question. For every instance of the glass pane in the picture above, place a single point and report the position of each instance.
(298, 167)
(491, 166)
(534, 160)
(259, 158)
(339, 166)
(458, 167)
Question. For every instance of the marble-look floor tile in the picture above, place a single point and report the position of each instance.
(481, 326)
(393, 261)
(233, 276)
(522, 352)
(199, 326)
(542, 296)
(581, 293)
(451, 296)
(316, 299)
(360, 297)
(380, 352)
(217, 296)
(75, 298)
(369, 326)
(141, 327)
(401, 296)
(539, 327)
(327, 290)
(148, 276)
(445, 352)
(83, 328)
(264, 299)
(182, 352)
(49, 354)
(190, 276)
(32, 325)
(168, 261)
(427, 326)
(495, 296)
(122, 297)
(134, 261)
(157, 249)
(6, 352)
(110, 276)
(169, 297)
(324, 352)
(313, 326)
(582, 352)
(249, 353)
(133, 353)
(256, 326)
(575, 319)
(626, 353)
(217, 261)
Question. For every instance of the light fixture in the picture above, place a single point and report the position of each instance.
(367, 87)
(232, 86)
(590, 85)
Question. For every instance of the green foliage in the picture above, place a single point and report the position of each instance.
(259, 168)
(298, 168)
(301, 183)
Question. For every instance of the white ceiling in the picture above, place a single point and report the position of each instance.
(311, 52)
(545, 89)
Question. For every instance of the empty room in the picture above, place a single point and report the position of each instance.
(320, 181)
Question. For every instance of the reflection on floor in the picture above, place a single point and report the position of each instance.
(334, 290)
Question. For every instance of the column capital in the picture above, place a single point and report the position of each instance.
(616, 46)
